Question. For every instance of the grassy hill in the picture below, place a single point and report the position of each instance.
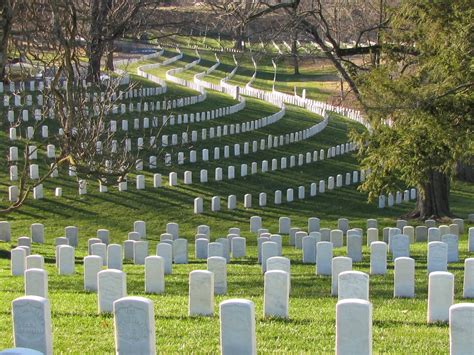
(399, 324)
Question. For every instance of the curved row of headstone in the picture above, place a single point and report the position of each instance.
(123, 74)
(301, 193)
(248, 86)
(399, 197)
(170, 75)
(144, 92)
(128, 94)
(266, 166)
(115, 97)
(147, 107)
(219, 131)
(314, 106)
(268, 143)
(128, 61)
(39, 85)
(34, 173)
(23, 115)
(16, 132)
(141, 70)
(441, 249)
(202, 47)
(198, 77)
(308, 158)
(279, 98)
(223, 82)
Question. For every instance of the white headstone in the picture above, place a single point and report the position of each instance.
(140, 252)
(134, 323)
(92, 266)
(140, 228)
(378, 258)
(36, 282)
(165, 250)
(353, 327)
(421, 233)
(339, 264)
(255, 223)
(404, 277)
(399, 245)
(154, 274)
(461, 324)
(324, 258)
(269, 249)
(35, 262)
(238, 247)
(32, 324)
(37, 233)
(5, 233)
(201, 246)
(201, 293)
(18, 261)
(468, 289)
(114, 256)
(451, 241)
(336, 238)
(112, 285)
(71, 234)
(237, 327)
(309, 249)
(218, 266)
(276, 294)
(353, 284)
(440, 296)
(65, 259)
(354, 247)
(99, 249)
(180, 251)
(437, 256)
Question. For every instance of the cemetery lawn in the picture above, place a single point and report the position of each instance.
(399, 325)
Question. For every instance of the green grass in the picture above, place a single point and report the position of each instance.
(399, 325)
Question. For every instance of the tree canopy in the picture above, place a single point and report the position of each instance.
(419, 102)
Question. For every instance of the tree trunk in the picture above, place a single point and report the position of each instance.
(7, 19)
(99, 12)
(294, 54)
(109, 63)
(240, 43)
(433, 199)
(95, 56)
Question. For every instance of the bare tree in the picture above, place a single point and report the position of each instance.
(8, 8)
(237, 15)
(347, 32)
(79, 109)
(109, 20)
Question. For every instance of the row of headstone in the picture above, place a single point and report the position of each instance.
(269, 255)
(263, 196)
(233, 245)
(309, 158)
(220, 131)
(391, 200)
(134, 322)
(117, 96)
(419, 233)
(245, 148)
(171, 120)
(94, 98)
